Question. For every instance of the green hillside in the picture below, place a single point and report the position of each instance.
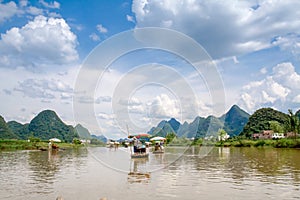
(232, 122)
(21, 130)
(5, 131)
(235, 120)
(48, 125)
(162, 129)
(82, 132)
(260, 120)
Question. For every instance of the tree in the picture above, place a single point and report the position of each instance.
(222, 135)
(276, 127)
(260, 119)
(170, 137)
(293, 123)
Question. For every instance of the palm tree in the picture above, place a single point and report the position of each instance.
(293, 124)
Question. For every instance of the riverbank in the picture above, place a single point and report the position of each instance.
(38, 145)
(42, 145)
(280, 143)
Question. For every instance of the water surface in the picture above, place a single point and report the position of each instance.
(92, 173)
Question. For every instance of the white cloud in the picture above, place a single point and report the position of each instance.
(235, 60)
(66, 96)
(224, 28)
(280, 90)
(130, 18)
(41, 42)
(289, 42)
(53, 4)
(94, 37)
(296, 99)
(133, 101)
(36, 92)
(7, 10)
(45, 88)
(285, 73)
(102, 99)
(34, 10)
(101, 28)
(23, 3)
(23, 8)
(263, 70)
(105, 116)
(164, 107)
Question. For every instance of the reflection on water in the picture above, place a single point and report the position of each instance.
(224, 173)
(138, 171)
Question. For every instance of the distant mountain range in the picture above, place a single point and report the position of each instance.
(235, 122)
(44, 126)
(232, 122)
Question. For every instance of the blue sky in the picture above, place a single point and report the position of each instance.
(254, 45)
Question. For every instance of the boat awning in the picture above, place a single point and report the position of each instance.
(54, 140)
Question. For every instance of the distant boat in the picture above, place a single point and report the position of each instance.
(158, 147)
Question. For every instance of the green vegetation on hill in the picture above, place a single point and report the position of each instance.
(260, 120)
(48, 125)
(235, 120)
(165, 127)
(5, 131)
(209, 127)
(82, 132)
(232, 122)
(298, 114)
(19, 129)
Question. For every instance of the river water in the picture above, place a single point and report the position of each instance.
(180, 173)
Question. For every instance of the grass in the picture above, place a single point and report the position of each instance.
(280, 143)
(25, 145)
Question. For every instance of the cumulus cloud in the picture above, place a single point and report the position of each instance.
(280, 90)
(224, 28)
(41, 42)
(7, 10)
(164, 107)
